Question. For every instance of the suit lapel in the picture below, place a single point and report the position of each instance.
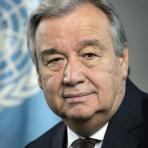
(125, 127)
(118, 138)
(59, 139)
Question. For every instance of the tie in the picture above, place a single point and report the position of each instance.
(84, 143)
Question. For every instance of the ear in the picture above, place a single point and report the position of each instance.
(39, 79)
(124, 62)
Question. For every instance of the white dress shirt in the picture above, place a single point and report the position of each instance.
(99, 135)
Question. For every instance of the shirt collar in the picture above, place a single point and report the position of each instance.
(99, 135)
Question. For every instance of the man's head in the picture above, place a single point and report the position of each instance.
(79, 48)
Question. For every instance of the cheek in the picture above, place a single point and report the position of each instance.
(51, 85)
(106, 82)
(51, 89)
(51, 78)
(105, 72)
(104, 79)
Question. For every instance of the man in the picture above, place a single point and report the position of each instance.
(80, 51)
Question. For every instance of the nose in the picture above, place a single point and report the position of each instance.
(73, 73)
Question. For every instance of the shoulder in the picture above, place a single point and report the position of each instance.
(140, 94)
(135, 90)
(47, 138)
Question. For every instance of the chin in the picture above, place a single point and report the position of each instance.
(78, 116)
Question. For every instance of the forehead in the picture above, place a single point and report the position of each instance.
(86, 20)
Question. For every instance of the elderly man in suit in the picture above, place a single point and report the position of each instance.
(80, 51)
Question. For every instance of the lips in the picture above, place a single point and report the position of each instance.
(76, 98)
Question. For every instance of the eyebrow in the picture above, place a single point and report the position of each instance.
(50, 51)
(90, 42)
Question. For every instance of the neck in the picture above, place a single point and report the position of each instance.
(86, 128)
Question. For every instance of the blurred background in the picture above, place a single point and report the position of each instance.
(24, 114)
(134, 15)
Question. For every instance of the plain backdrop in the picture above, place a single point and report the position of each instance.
(134, 15)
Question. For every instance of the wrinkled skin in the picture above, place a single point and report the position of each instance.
(82, 78)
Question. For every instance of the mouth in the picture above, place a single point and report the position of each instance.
(77, 98)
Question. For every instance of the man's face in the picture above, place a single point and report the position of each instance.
(78, 70)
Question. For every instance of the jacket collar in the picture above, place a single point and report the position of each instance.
(59, 139)
(121, 130)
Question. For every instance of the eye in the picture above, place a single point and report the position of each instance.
(55, 60)
(89, 56)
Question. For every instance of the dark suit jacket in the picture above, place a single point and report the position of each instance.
(127, 129)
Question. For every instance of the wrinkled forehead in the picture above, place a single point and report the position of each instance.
(84, 22)
(86, 13)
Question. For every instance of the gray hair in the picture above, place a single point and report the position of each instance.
(58, 8)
